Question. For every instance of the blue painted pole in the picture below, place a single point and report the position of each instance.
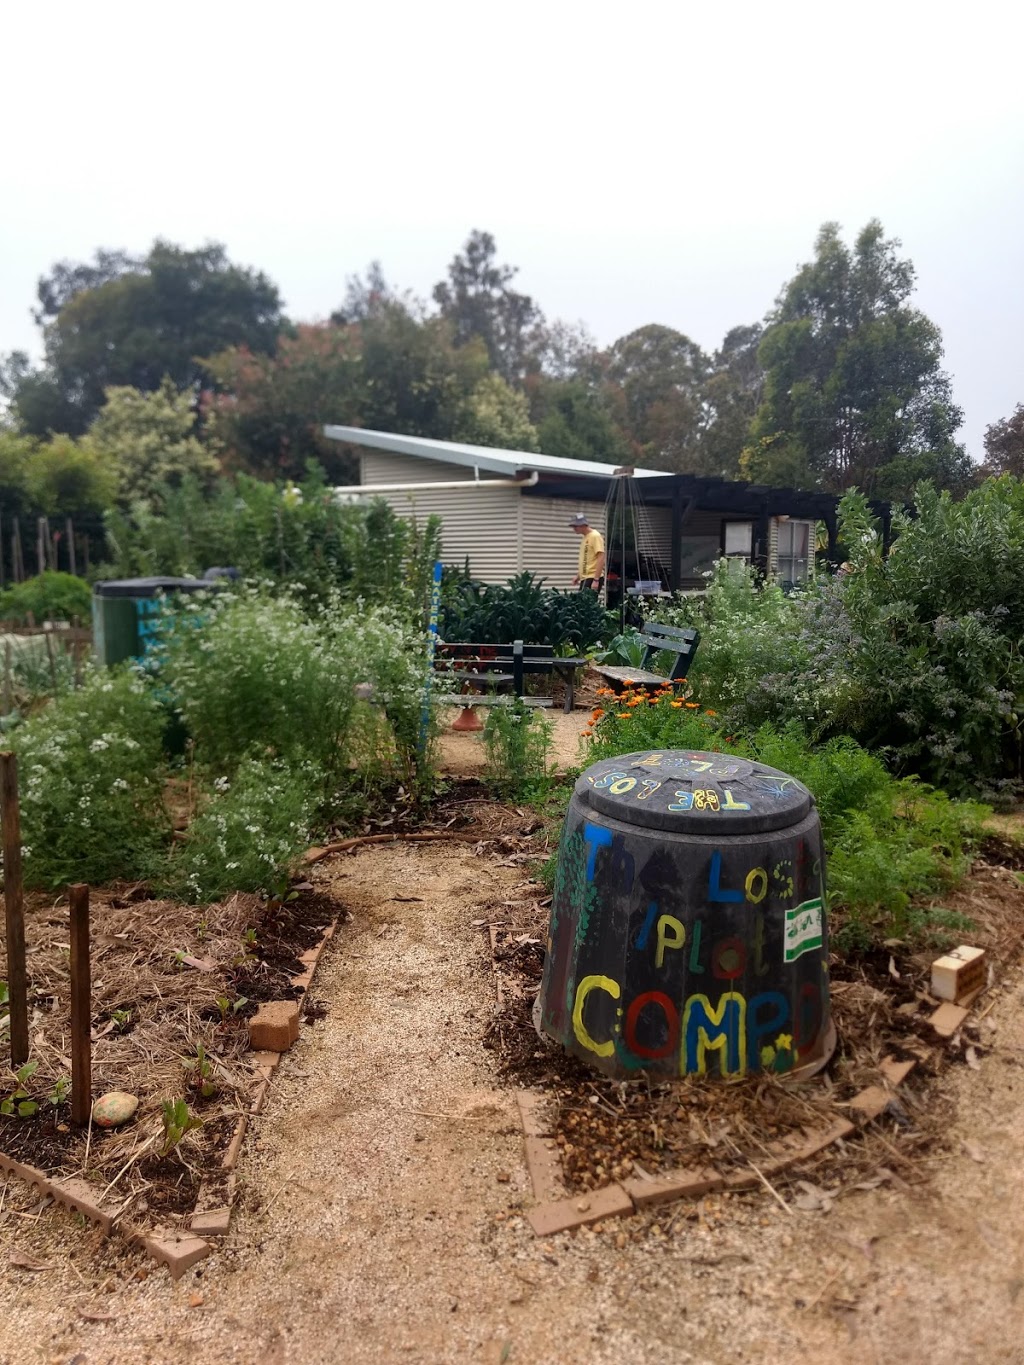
(435, 611)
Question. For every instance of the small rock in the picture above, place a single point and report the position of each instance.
(114, 1108)
(196, 1301)
(583, 1205)
(503, 1177)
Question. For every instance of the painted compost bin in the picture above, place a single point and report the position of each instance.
(688, 930)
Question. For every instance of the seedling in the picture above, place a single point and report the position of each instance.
(20, 1100)
(229, 1008)
(61, 1090)
(202, 1072)
(177, 1122)
(121, 1019)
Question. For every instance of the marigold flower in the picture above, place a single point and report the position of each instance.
(677, 704)
(709, 712)
(692, 706)
(623, 715)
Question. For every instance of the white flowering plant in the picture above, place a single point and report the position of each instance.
(249, 832)
(91, 774)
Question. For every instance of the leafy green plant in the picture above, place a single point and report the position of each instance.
(177, 1121)
(522, 610)
(48, 596)
(517, 738)
(20, 1100)
(229, 1008)
(627, 648)
(61, 1090)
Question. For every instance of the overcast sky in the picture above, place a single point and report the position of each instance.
(640, 163)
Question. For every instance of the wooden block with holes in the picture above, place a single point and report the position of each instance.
(959, 974)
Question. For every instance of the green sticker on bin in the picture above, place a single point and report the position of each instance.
(803, 929)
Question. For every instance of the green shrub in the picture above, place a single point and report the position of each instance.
(250, 831)
(518, 742)
(48, 596)
(91, 775)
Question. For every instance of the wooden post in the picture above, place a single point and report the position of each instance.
(14, 907)
(71, 545)
(81, 1005)
(40, 544)
(8, 680)
(53, 661)
(17, 555)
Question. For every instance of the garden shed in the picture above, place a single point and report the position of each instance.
(508, 510)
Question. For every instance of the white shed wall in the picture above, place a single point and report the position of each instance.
(550, 547)
(379, 466)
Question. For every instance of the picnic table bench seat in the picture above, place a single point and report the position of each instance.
(680, 644)
(485, 666)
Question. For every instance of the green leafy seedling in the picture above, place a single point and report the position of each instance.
(20, 1100)
(202, 1072)
(177, 1122)
(61, 1090)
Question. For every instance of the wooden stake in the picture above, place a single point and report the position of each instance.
(71, 545)
(14, 908)
(8, 682)
(81, 1006)
(17, 557)
(40, 544)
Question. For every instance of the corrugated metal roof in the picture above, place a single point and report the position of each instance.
(476, 457)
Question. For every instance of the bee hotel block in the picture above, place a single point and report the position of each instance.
(959, 974)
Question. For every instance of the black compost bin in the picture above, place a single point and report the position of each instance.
(687, 929)
(125, 611)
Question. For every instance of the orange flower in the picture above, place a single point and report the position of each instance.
(623, 715)
(653, 700)
(692, 706)
(709, 712)
(628, 682)
(677, 704)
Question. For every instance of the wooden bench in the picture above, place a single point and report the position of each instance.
(485, 667)
(681, 644)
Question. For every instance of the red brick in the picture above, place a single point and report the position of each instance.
(234, 1146)
(535, 1112)
(947, 1019)
(871, 1102)
(611, 1201)
(212, 1223)
(894, 1072)
(674, 1185)
(274, 1027)
(177, 1251)
(545, 1168)
(81, 1197)
(266, 1062)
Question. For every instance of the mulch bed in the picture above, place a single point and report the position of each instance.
(166, 979)
(609, 1129)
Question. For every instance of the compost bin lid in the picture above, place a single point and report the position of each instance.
(689, 792)
(147, 587)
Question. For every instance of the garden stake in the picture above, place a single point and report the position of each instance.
(70, 527)
(14, 908)
(81, 1006)
(8, 693)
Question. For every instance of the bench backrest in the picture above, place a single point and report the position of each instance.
(493, 654)
(682, 643)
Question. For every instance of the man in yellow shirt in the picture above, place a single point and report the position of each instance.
(591, 565)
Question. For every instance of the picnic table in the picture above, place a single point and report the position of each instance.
(488, 667)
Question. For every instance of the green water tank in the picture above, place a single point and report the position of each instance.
(125, 611)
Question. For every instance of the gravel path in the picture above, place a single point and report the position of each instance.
(380, 1197)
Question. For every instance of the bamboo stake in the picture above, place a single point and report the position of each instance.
(14, 908)
(71, 545)
(81, 1006)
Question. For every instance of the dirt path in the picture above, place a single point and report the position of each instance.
(380, 1194)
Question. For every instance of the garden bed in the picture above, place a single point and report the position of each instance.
(173, 986)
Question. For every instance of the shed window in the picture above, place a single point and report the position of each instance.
(739, 538)
(794, 543)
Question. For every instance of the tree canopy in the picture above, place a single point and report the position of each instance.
(853, 390)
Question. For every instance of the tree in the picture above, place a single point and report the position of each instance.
(1004, 445)
(732, 392)
(476, 299)
(853, 389)
(126, 322)
(149, 441)
(67, 478)
(657, 399)
(572, 421)
(496, 415)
